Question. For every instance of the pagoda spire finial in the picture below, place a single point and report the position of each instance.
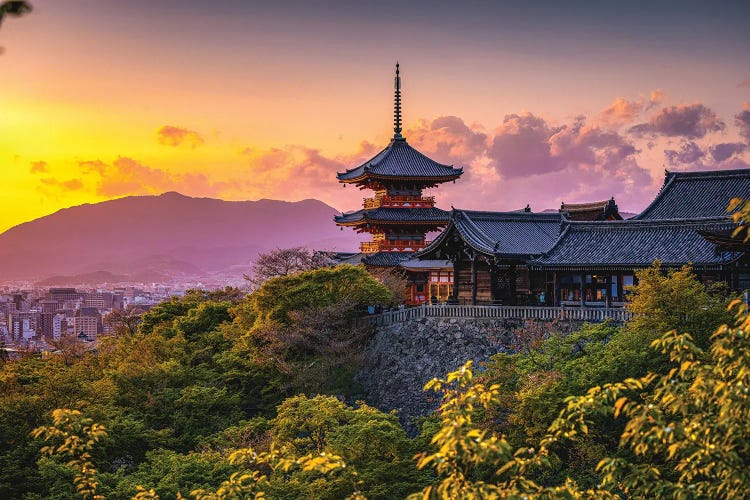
(397, 107)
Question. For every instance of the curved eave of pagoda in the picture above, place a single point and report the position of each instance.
(392, 223)
(400, 161)
(369, 178)
(395, 217)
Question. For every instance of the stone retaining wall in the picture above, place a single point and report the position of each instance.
(402, 357)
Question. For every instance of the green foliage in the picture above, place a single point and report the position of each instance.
(740, 210)
(300, 326)
(194, 402)
(370, 441)
(74, 437)
(688, 428)
(674, 300)
(685, 431)
(168, 473)
(316, 289)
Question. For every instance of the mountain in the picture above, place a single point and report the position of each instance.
(170, 234)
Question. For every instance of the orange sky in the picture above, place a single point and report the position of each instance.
(241, 101)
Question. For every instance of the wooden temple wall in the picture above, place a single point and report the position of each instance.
(484, 282)
(464, 282)
(523, 280)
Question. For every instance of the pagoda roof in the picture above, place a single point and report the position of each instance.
(354, 258)
(697, 194)
(502, 233)
(430, 215)
(386, 259)
(631, 244)
(400, 161)
(426, 264)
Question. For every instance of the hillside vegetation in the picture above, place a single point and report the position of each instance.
(222, 395)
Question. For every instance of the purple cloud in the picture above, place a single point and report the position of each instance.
(686, 120)
(521, 146)
(742, 120)
(689, 152)
(726, 150)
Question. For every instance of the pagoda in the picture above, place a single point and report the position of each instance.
(398, 216)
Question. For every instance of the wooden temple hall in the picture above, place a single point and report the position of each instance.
(579, 255)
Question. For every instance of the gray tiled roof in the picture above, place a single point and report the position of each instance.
(697, 194)
(388, 214)
(503, 233)
(399, 159)
(354, 258)
(632, 244)
(426, 264)
(389, 259)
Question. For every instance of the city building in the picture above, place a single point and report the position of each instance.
(87, 323)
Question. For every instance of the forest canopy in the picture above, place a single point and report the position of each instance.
(226, 395)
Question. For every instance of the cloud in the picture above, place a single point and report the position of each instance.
(656, 97)
(623, 111)
(55, 188)
(169, 135)
(449, 138)
(744, 84)
(620, 112)
(686, 120)
(689, 152)
(742, 120)
(527, 145)
(70, 184)
(520, 146)
(724, 151)
(38, 167)
(126, 176)
(526, 159)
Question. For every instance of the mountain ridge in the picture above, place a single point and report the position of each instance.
(170, 232)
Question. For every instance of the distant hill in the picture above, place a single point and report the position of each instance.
(166, 235)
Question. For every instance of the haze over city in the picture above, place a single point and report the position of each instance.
(540, 103)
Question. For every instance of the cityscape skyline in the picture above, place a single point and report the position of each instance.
(542, 103)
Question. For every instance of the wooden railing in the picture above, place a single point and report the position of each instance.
(397, 201)
(590, 314)
(385, 246)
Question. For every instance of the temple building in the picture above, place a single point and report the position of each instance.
(598, 210)
(592, 264)
(697, 194)
(587, 255)
(582, 255)
(489, 252)
(398, 216)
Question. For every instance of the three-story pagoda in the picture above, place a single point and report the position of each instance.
(398, 216)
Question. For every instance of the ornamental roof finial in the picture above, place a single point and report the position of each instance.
(397, 107)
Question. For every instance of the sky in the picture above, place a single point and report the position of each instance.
(541, 102)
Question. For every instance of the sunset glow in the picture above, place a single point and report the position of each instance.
(236, 101)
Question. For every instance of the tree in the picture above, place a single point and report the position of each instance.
(75, 437)
(284, 262)
(349, 285)
(14, 8)
(740, 210)
(124, 321)
(674, 299)
(394, 280)
(685, 431)
(70, 348)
